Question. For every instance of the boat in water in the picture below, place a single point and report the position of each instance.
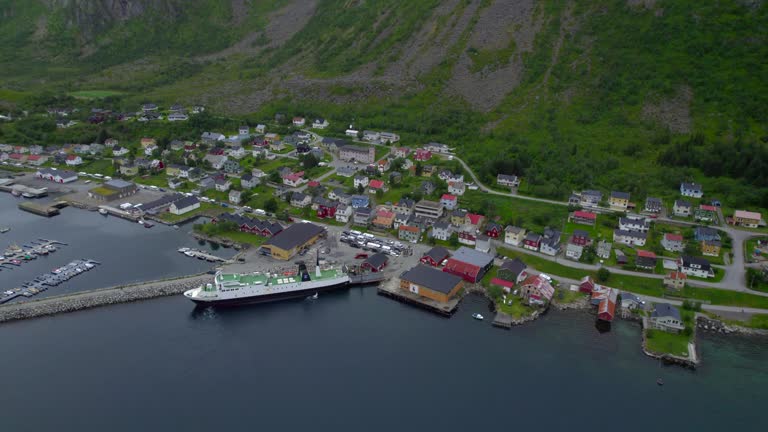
(148, 224)
(229, 289)
(182, 250)
(477, 316)
(313, 297)
(4, 230)
(103, 212)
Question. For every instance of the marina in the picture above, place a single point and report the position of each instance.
(15, 255)
(49, 280)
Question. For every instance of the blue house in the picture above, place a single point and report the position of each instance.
(359, 201)
(706, 233)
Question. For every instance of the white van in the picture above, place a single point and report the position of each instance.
(356, 232)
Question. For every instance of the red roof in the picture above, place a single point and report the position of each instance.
(17, 156)
(461, 268)
(72, 157)
(376, 184)
(34, 157)
(646, 254)
(502, 282)
(448, 197)
(474, 219)
(673, 237)
(677, 275)
(584, 214)
(409, 228)
(708, 208)
(313, 183)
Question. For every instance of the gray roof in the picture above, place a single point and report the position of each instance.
(691, 186)
(682, 203)
(438, 253)
(630, 296)
(515, 266)
(635, 234)
(376, 260)
(354, 148)
(431, 278)
(620, 195)
(119, 184)
(592, 192)
(703, 263)
(295, 235)
(665, 310)
(441, 225)
(472, 256)
(513, 229)
(186, 202)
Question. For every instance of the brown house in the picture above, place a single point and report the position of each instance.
(431, 283)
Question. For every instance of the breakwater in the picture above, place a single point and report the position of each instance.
(100, 297)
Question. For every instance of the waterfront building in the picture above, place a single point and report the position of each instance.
(286, 244)
(431, 283)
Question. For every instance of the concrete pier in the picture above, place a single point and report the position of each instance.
(101, 297)
(393, 291)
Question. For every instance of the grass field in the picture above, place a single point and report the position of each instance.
(662, 342)
(94, 94)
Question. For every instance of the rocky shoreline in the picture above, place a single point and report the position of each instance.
(100, 297)
(716, 326)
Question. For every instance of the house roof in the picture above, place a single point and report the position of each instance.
(635, 234)
(448, 197)
(747, 215)
(295, 235)
(708, 208)
(532, 236)
(376, 260)
(646, 254)
(438, 254)
(665, 310)
(493, 225)
(431, 278)
(409, 228)
(580, 233)
(186, 202)
(673, 237)
(682, 203)
(471, 256)
(502, 282)
(474, 218)
(675, 275)
(376, 184)
(541, 284)
(119, 184)
(513, 229)
(620, 195)
(688, 260)
(515, 266)
(691, 186)
(584, 215)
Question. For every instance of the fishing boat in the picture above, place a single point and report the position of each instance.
(477, 316)
(103, 212)
(141, 221)
(660, 381)
(182, 250)
(4, 230)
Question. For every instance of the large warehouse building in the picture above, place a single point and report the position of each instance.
(431, 283)
(287, 243)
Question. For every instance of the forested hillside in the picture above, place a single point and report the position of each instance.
(613, 94)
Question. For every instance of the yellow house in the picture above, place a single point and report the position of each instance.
(710, 247)
(619, 201)
(290, 241)
(747, 218)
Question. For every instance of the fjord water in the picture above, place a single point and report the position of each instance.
(128, 251)
(349, 361)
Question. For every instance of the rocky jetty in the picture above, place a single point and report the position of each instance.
(100, 297)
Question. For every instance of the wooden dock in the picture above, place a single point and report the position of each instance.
(407, 297)
(502, 320)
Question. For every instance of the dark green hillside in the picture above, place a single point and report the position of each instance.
(609, 94)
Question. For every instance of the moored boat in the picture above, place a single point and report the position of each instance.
(477, 316)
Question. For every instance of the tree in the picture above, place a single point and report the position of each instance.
(360, 189)
(274, 177)
(603, 274)
(453, 240)
(271, 205)
(379, 193)
(419, 169)
(308, 161)
(495, 292)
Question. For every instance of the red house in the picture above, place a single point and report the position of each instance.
(326, 208)
(469, 264)
(587, 285)
(493, 230)
(584, 217)
(435, 256)
(580, 237)
(422, 155)
(532, 241)
(607, 307)
(375, 263)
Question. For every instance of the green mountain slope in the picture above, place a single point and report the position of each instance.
(615, 94)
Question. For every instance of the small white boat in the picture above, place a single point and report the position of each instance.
(189, 253)
(477, 316)
(103, 211)
(184, 249)
(4, 230)
(141, 221)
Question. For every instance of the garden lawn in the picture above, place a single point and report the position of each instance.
(662, 342)
(206, 209)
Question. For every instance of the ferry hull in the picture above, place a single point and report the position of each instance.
(269, 297)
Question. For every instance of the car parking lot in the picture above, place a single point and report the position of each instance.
(370, 242)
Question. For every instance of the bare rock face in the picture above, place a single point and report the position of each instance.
(90, 17)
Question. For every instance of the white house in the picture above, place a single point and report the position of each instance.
(694, 266)
(574, 251)
(456, 188)
(56, 176)
(634, 224)
(361, 181)
(632, 238)
(442, 231)
(235, 196)
(449, 201)
(666, 317)
(244, 131)
(514, 235)
(184, 205)
(216, 161)
(237, 152)
(222, 184)
(673, 242)
(299, 121)
(682, 208)
(343, 213)
(119, 151)
(74, 160)
(692, 190)
(320, 123)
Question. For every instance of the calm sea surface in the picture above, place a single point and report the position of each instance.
(350, 361)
